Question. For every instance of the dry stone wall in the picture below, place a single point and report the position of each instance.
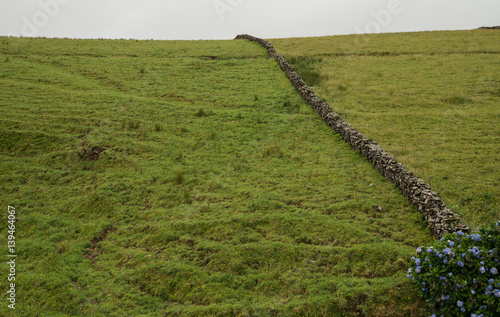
(440, 219)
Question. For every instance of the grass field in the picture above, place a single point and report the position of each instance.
(432, 99)
(189, 179)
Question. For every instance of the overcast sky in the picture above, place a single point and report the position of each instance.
(224, 19)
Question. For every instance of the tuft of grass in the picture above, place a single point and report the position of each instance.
(179, 178)
(273, 150)
(205, 208)
(341, 87)
(158, 127)
(143, 134)
(187, 196)
(179, 157)
(131, 124)
(134, 124)
(7, 59)
(213, 135)
(457, 100)
(290, 107)
(201, 113)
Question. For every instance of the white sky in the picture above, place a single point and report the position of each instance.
(224, 19)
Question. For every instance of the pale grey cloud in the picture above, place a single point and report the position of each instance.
(223, 19)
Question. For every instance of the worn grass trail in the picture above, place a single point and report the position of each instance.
(188, 178)
(430, 99)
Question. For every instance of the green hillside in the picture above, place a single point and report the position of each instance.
(171, 178)
(432, 99)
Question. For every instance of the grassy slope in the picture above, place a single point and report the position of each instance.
(431, 99)
(219, 191)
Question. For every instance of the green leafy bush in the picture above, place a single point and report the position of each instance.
(459, 274)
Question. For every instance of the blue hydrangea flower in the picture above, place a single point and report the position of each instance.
(419, 249)
(475, 237)
(493, 271)
(417, 261)
(497, 293)
(460, 303)
(491, 281)
(451, 243)
(460, 263)
(472, 291)
(450, 274)
(418, 269)
(475, 251)
(482, 269)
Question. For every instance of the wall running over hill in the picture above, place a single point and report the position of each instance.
(440, 219)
